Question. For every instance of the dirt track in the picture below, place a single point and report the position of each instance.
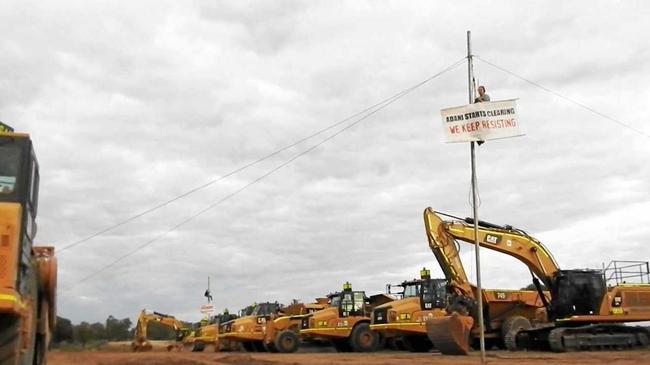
(382, 358)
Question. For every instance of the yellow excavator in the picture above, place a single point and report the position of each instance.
(585, 312)
(140, 341)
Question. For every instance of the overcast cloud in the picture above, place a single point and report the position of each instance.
(132, 104)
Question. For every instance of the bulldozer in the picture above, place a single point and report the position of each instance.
(584, 312)
(140, 341)
(28, 273)
(270, 327)
(346, 322)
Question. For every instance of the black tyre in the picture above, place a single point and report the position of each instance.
(270, 347)
(9, 339)
(363, 339)
(198, 346)
(287, 341)
(417, 343)
(514, 323)
(11, 336)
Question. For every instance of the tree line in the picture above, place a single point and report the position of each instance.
(112, 329)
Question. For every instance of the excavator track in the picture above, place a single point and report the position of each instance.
(450, 335)
(597, 337)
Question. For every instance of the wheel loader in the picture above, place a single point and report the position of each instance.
(346, 322)
(28, 273)
(585, 313)
(403, 321)
(270, 327)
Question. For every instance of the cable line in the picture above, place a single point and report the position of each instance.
(250, 164)
(566, 98)
(372, 111)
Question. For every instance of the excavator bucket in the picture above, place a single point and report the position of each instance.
(141, 346)
(450, 334)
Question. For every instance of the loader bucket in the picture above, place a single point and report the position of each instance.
(450, 334)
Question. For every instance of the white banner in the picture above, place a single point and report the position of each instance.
(481, 121)
(207, 308)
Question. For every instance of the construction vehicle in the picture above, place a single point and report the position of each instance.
(346, 322)
(585, 312)
(270, 327)
(28, 274)
(404, 321)
(140, 341)
(207, 334)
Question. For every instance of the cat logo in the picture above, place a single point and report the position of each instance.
(493, 239)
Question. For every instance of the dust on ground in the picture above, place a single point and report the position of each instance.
(641, 357)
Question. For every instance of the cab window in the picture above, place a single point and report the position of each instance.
(411, 290)
(10, 162)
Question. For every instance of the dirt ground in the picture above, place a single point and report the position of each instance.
(319, 358)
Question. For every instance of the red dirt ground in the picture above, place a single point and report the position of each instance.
(380, 358)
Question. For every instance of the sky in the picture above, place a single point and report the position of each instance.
(130, 105)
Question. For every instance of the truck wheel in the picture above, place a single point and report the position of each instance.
(287, 341)
(363, 339)
(270, 347)
(514, 323)
(9, 339)
(10, 334)
(198, 346)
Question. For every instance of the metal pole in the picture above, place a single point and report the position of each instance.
(470, 71)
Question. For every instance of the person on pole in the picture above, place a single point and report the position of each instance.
(482, 96)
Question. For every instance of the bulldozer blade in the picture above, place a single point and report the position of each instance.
(450, 334)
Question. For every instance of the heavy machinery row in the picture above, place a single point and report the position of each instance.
(575, 309)
(571, 309)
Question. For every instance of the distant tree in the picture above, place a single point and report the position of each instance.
(83, 333)
(63, 331)
(532, 286)
(99, 331)
(117, 329)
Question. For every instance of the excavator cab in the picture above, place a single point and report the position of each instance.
(577, 292)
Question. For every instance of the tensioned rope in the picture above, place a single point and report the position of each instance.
(277, 168)
(250, 164)
(592, 110)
